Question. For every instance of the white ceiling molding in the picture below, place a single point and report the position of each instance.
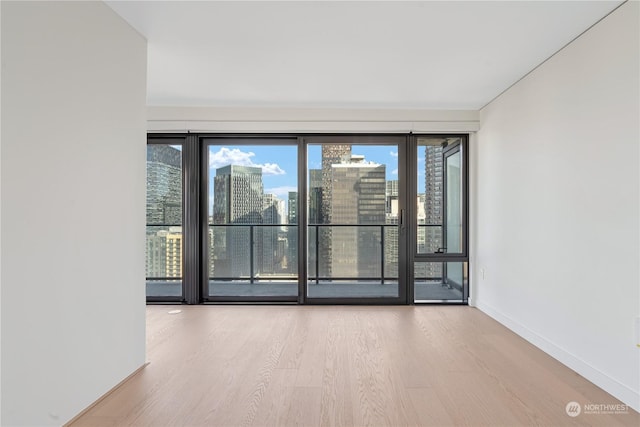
(301, 120)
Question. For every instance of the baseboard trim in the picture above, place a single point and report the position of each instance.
(104, 396)
(612, 386)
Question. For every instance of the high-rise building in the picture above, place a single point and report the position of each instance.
(164, 253)
(357, 191)
(164, 185)
(421, 235)
(156, 253)
(391, 192)
(292, 233)
(238, 199)
(164, 212)
(433, 184)
(331, 155)
(433, 206)
(237, 196)
(315, 196)
(174, 252)
(391, 233)
(270, 258)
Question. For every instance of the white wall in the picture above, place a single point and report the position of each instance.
(73, 186)
(556, 209)
(0, 220)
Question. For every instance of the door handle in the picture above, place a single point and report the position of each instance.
(441, 251)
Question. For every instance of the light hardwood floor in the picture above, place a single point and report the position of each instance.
(344, 366)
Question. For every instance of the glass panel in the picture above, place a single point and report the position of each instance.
(440, 281)
(391, 252)
(353, 217)
(253, 214)
(164, 220)
(454, 202)
(439, 183)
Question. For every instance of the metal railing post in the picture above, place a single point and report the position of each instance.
(317, 255)
(382, 254)
(251, 254)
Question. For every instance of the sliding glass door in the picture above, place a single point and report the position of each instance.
(251, 219)
(355, 203)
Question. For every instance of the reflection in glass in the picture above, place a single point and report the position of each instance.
(164, 243)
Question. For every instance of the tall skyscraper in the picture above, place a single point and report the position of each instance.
(164, 185)
(391, 233)
(237, 196)
(433, 205)
(433, 184)
(238, 199)
(421, 235)
(331, 155)
(357, 191)
(315, 196)
(270, 258)
(391, 193)
(164, 212)
(292, 233)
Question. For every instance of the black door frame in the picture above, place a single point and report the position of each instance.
(205, 141)
(445, 257)
(399, 140)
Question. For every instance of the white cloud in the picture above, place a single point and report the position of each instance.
(393, 153)
(394, 172)
(282, 192)
(225, 157)
(271, 169)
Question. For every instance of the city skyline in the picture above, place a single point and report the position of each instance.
(347, 188)
(279, 164)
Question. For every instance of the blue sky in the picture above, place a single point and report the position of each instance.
(279, 163)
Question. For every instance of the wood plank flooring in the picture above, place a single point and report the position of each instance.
(344, 366)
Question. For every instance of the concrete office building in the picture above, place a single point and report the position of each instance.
(331, 155)
(238, 199)
(357, 191)
(315, 196)
(391, 233)
(164, 185)
(271, 256)
(292, 233)
(433, 224)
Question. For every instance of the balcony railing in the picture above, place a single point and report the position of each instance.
(336, 252)
(268, 252)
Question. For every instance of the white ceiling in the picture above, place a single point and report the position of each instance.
(360, 54)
